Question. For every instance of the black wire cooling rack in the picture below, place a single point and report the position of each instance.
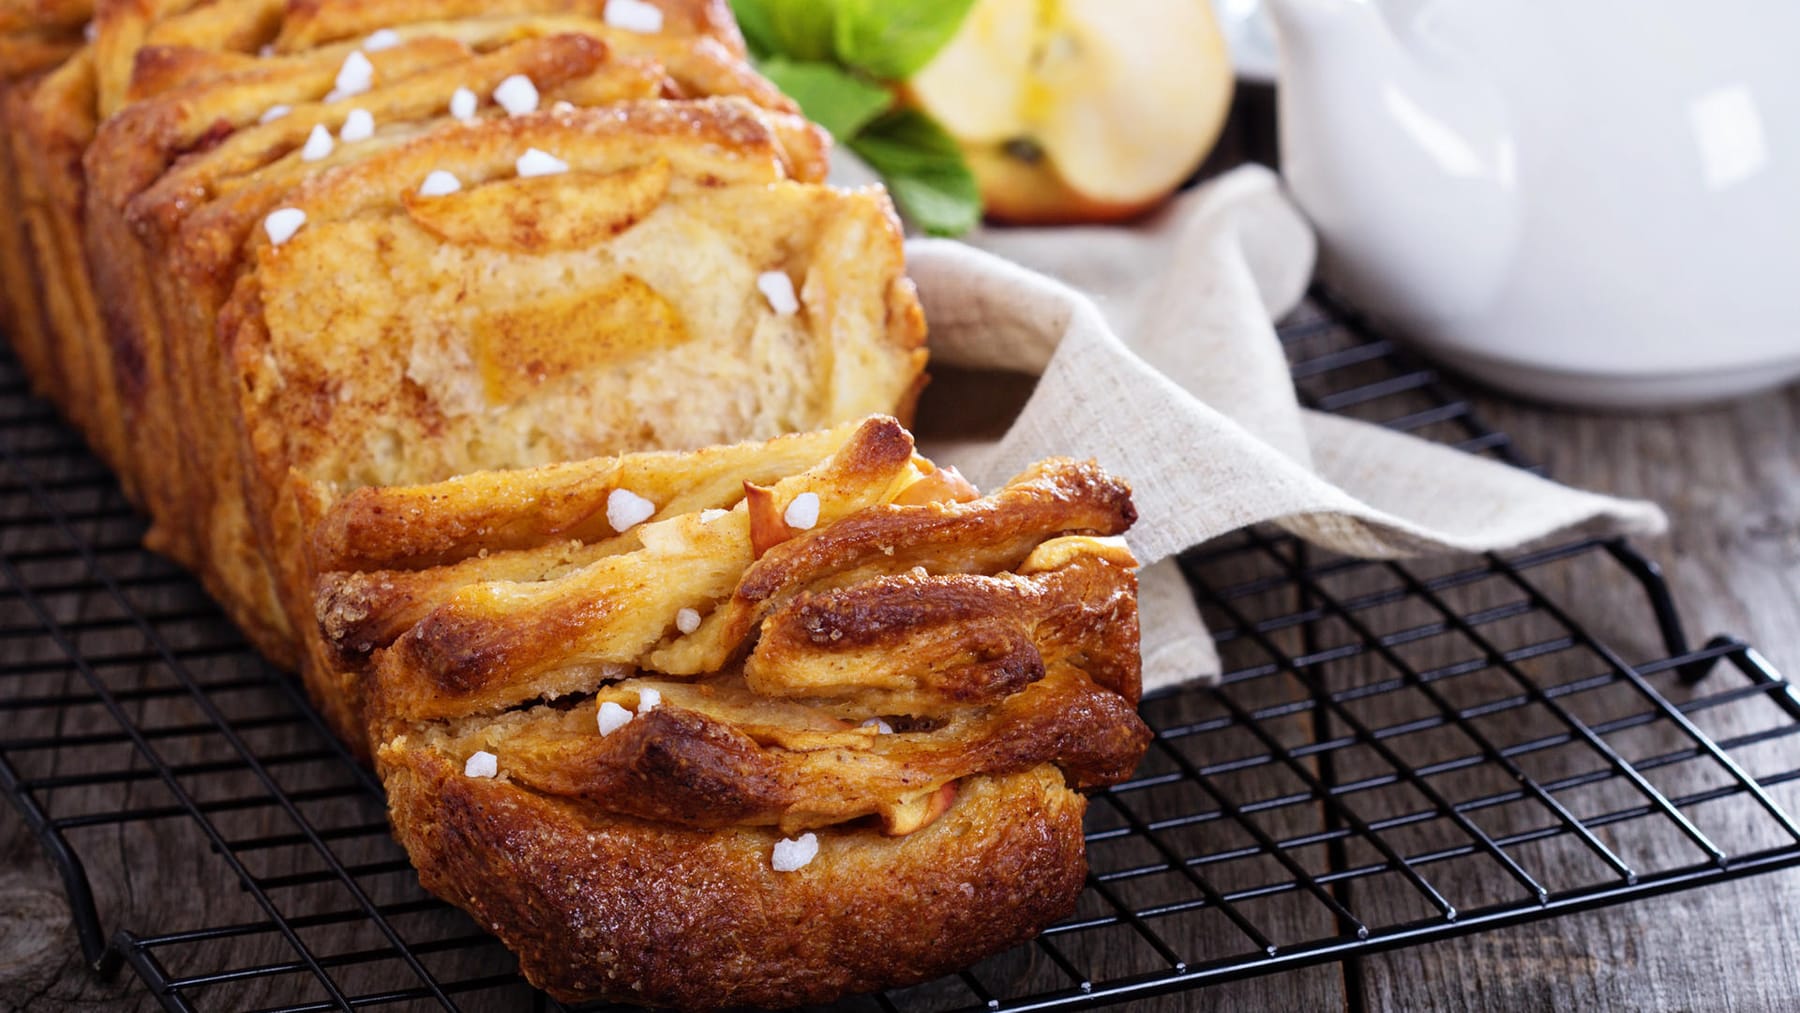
(1398, 753)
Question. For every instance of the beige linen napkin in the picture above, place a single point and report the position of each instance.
(1156, 355)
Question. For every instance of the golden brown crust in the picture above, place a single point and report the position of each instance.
(310, 24)
(21, 300)
(728, 752)
(415, 527)
(28, 53)
(915, 643)
(21, 16)
(491, 645)
(1057, 496)
(700, 759)
(986, 535)
(603, 907)
(123, 28)
(54, 121)
(996, 634)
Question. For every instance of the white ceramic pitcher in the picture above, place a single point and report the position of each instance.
(1589, 201)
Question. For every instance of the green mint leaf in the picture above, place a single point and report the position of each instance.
(797, 29)
(813, 50)
(924, 170)
(758, 26)
(835, 99)
(890, 40)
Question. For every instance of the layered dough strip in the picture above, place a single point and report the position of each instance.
(502, 628)
(718, 753)
(898, 635)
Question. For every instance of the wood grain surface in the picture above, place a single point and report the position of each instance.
(1729, 477)
(1730, 480)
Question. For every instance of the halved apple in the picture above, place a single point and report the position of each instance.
(1080, 110)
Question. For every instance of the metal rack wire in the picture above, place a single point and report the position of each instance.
(1398, 753)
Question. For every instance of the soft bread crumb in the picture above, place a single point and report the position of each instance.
(612, 717)
(687, 620)
(517, 95)
(539, 163)
(593, 394)
(358, 126)
(634, 16)
(318, 145)
(626, 510)
(792, 855)
(803, 512)
(463, 103)
(438, 183)
(482, 764)
(778, 289)
(282, 224)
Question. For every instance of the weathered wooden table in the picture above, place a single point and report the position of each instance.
(1730, 479)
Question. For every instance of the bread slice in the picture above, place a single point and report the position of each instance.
(528, 320)
(310, 24)
(503, 617)
(154, 207)
(919, 677)
(23, 17)
(51, 121)
(601, 906)
(125, 32)
(31, 45)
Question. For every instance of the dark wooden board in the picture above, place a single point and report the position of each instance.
(1730, 479)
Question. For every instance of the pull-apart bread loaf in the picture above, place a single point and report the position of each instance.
(761, 724)
(508, 369)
